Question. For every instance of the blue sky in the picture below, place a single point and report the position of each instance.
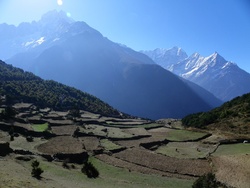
(203, 26)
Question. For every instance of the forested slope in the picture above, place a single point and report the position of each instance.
(19, 85)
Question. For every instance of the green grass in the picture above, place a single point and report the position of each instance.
(117, 133)
(110, 177)
(40, 127)
(233, 149)
(119, 177)
(109, 145)
(21, 143)
(184, 135)
(192, 150)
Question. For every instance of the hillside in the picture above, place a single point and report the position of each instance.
(232, 116)
(18, 85)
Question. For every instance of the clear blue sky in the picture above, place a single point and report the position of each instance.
(203, 26)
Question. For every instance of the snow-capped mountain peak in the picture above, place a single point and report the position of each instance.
(53, 27)
(197, 65)
(166, 57)
(215, 60)
(221, 77)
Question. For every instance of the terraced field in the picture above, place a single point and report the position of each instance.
(166, 164)
(185, 135)
(61, 144)
(192, 150)
(232, 164)
(40, 127)
(159, 154)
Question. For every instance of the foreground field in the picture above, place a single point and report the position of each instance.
(16, 174)
(232, 164)
(233, 170)
(126, 152)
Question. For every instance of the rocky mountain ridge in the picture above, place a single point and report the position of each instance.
(222, 78)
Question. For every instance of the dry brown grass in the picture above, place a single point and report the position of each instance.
(233, 170)
(137, 168)
(61, 144)
(137, 131)
(136, 143)
(160, 133)
(64, 129)
(90, 143)
(163, 163)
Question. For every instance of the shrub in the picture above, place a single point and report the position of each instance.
(65, 164)
(12, 137)
(76, 132)
(74, 112)
(9, 112)
(36, 170)
(29, 139)
(89, 169)
(206, 181)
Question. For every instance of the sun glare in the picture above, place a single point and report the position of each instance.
(59, 2)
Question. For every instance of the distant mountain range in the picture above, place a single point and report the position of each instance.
(75, 54)
(222, 78)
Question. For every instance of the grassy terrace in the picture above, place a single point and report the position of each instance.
(146, 125)
(102, 131)
(109, 145)
(191, 150)
(233, 149)
(116, 133)
(40, 127)
(184, 135)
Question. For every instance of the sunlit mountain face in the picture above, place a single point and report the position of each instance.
(221, 77)
(58, 48)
